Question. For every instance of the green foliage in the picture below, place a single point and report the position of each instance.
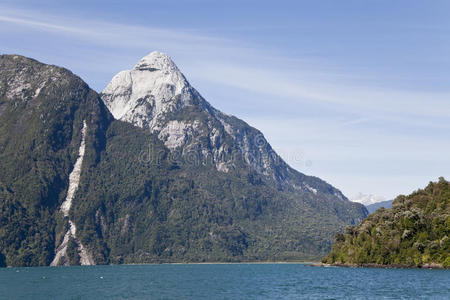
(414, 232)
(136, 202)
(39, 138)
(72, 252)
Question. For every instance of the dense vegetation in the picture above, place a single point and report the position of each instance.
(135, 207)
(137, 202)
(415, 232)
(41, 113)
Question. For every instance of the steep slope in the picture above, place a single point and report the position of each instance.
(42, 111)
(62, 256)
(415, 232)
(155, 95)
(188, 184)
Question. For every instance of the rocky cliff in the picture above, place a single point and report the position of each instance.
(170, 180)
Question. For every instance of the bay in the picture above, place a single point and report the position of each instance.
(222, 281)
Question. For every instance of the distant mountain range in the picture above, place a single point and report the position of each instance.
(367, 199)
(373, 207)
(371, 202)
(147, 171)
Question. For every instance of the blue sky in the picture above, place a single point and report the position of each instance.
(355, 92)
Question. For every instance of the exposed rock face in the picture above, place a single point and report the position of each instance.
(147, 93)
(61, 257)
(156, 96)
(74, 181)
(44, 115)
(74, 177)
(76, 186)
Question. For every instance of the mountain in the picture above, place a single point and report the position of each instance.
(171, 180)
(367, 199)
(373, 207)
(42, 112)
(415, 232)
(155, 96)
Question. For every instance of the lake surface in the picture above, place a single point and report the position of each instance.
(222, 281)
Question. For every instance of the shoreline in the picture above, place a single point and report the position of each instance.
(306, 262)
(380, 266)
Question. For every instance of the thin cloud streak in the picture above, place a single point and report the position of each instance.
(348, 121)
(42, 25)
(283, 84)
(275, 79)
(104, 32)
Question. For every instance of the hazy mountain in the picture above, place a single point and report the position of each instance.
(415, 232)
(372, 202)
(373, 207)
(172, 180)
(367, 199)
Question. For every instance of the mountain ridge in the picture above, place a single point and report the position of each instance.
(165, 90)
(132, 209)
(374, 206)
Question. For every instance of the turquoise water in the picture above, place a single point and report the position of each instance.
(222, 281)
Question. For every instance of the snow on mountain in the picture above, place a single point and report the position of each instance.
(155, 95)
(143, 95)
(367, 199)
(243, 203)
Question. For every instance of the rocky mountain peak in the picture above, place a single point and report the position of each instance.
(145, 94)
(156, 61)
(156, 96)
(76, 192)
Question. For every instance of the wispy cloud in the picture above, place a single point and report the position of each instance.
(279, 82)
(111, 33)
(343, 122)
(276, 77)
(38, 24)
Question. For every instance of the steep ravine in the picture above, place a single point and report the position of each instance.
(173, 180)
(74, 181)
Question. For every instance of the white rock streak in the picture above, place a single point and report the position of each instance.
(85, 258)
(61, 250)
(311, 189)
(74, 181)
(74, 177)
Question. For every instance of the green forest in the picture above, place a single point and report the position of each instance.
(131, 207)
(415, 232)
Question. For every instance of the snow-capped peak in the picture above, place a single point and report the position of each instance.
(367, 199)
(156, 96)
(156, 61)
(143, 95)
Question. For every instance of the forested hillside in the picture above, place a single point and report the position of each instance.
(415, 232)
(137, 199)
